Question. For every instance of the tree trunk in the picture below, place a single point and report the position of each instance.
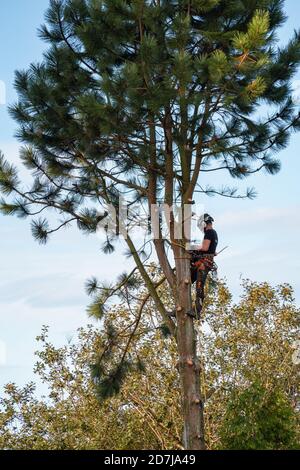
(189, 366)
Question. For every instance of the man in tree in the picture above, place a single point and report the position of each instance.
(138, 99)
(203, 260)
(148, 417)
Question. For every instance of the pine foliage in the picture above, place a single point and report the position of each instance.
(114, 70)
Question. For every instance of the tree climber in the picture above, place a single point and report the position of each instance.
(202, 260)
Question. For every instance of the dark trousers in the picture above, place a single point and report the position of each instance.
(199, 272)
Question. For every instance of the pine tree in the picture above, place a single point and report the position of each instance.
(138, 98)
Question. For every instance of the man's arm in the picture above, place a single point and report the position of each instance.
(205, 245)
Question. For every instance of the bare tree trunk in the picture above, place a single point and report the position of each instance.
(189, 366)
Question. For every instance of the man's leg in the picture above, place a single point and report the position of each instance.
(193, 274)
(200, 289)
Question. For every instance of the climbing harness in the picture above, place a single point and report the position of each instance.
(201, 265)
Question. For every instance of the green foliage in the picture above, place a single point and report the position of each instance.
(217, 65)
(204, 5)
(249, 382)
(112, 68)
(8, 176)
(96, 309)
(256, 88)
(165, 331)
(39, 230)
(17, 208)
(256, 35)
(259, 418)
(91, 286)
(110, 385)
(128, 98)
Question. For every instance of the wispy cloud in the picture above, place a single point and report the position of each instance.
(261, 215)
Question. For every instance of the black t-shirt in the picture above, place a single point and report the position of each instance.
(211, 235)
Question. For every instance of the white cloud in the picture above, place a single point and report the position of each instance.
(262, 246)
(262, 215)
(3, 354)
(11, 151)
(21, 323)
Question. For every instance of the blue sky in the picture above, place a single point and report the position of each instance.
(45, 284)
